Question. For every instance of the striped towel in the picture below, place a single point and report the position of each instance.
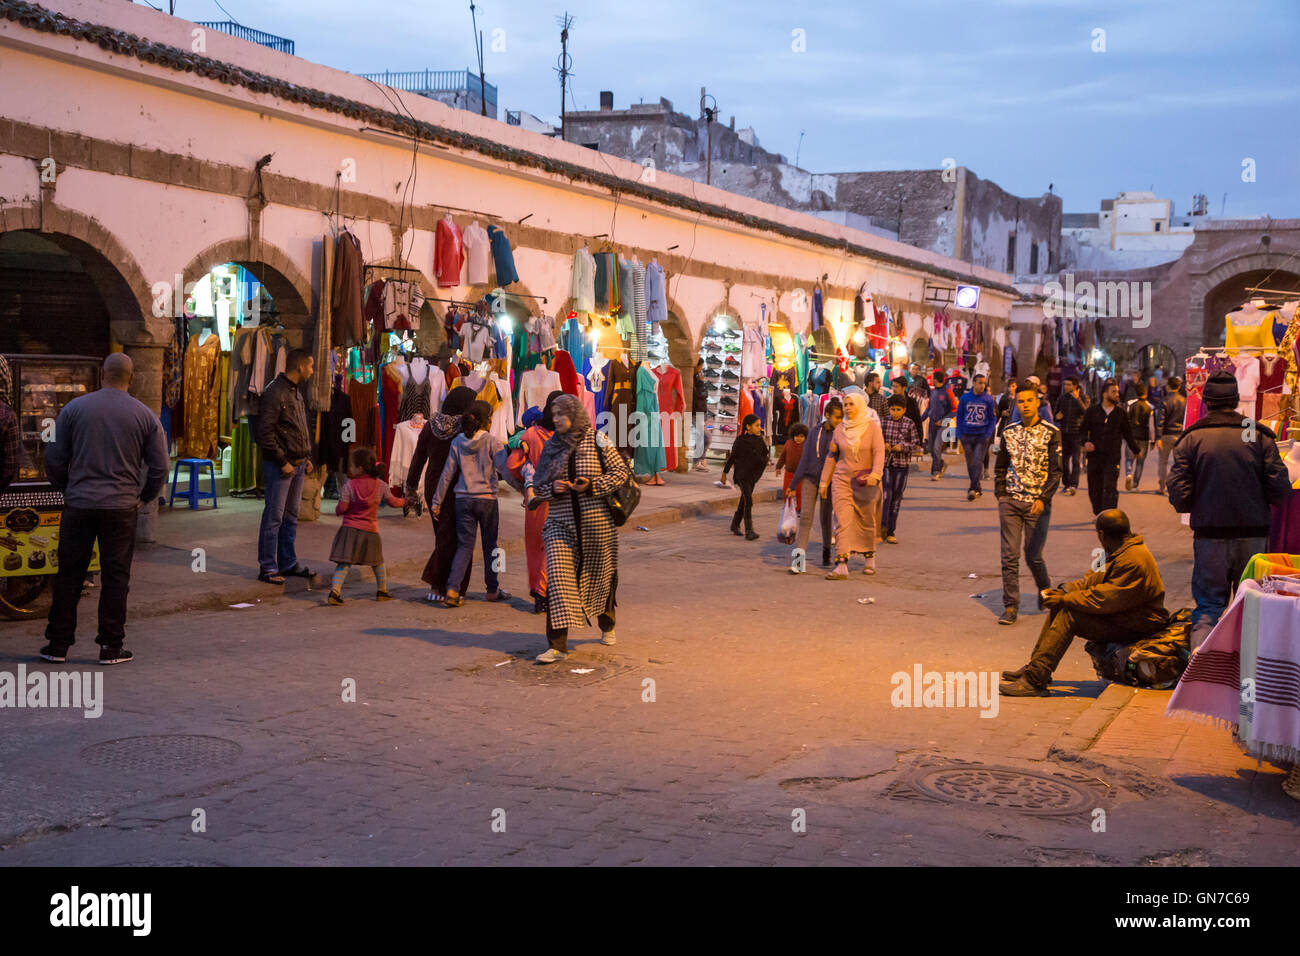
(1247, 674)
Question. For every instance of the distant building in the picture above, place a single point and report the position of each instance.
(948, 211)
(1134, 230)
(461, 89)
(534, 124)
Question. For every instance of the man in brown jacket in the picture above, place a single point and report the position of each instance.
(1119, 604)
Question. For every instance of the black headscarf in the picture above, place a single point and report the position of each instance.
(548, 413)
(446, 423)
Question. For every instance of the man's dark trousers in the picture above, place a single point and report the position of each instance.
(1063, 625)
(78, 530)
(1217, 564)
(1103, 483)
(895, 484)
(1018, 526)
(1071, 453)
(975, 448)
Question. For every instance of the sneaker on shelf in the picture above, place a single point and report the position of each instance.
(728, 388)
(730, 376)
(728, 428)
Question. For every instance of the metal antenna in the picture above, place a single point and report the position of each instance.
(478, 44)
(799, 147)
(563, 64)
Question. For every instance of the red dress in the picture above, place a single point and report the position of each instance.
(529, 450)
(672, 402)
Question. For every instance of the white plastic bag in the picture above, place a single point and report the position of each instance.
(789, 523)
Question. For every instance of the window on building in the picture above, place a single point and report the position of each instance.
(595, 146)
(1033, 259)
(1011, 253)
(1157, 227)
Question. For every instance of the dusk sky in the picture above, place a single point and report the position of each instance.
(1185, 91)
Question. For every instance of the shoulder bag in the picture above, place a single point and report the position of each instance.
(622, 500)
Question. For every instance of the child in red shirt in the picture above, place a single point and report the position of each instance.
(789, 461)
(357, 542)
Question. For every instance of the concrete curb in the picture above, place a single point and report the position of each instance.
(1090, 725)
(254, 590)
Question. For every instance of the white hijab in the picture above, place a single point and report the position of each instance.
(856, 418)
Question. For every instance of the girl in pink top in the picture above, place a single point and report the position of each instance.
(357, 542)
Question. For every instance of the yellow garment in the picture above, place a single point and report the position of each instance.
(1259, 335)
(201, 398)
(488, 393)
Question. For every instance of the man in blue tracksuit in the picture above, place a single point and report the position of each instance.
(977, 417)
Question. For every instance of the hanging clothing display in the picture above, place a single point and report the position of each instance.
(648, 456)
(503, 416)
(1246, 370)
(753, 353)
(1272, 378)
(656, 295)
(202, 398)
(640, 325)
(607, 293)
(672, 403)
(1248, 328)
(345, 293)
(503, 256)
(620, 402)
(415, 398)
(817, 317)
(534, 386)
(318, 386)
(448, 252)
(391, 381)
(562, 365)
(405, 437)
(582, 286)
(365, 411)
(401, 305)
(477, 249)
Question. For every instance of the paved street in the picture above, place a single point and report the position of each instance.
(739, 702)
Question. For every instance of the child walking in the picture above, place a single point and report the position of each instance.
(749, 456)
(357, 541)
(471, 463)
(901, 440)
(787, 463)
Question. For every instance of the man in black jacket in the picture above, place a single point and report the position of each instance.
(1069, 418)
(285, 440)
(1169, 426)
(1226, 473)
(1105, 425)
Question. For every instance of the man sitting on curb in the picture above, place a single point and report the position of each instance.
(1122, 603)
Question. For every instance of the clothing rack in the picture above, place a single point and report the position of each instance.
(391, 269)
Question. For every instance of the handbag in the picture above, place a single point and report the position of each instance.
(622, 500)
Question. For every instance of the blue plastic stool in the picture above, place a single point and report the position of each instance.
(196, 466)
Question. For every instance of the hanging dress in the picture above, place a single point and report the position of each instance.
(202, 399)
(672, 403)
(648, 455)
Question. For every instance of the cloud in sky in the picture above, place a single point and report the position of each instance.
(1011, 88)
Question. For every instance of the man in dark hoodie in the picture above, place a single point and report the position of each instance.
(1226, 473)
(749, 456)
(1121, 603)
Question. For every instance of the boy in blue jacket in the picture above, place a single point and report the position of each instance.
(977, 417)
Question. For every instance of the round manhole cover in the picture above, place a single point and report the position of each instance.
(1003, 787)
(177, 753)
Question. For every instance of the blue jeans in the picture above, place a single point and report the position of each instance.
(279, 529)
(476, 515)
(895, 483)
(975, 448)
(935, 444)
(1216, 569)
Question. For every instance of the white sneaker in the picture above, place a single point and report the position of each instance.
(551, 656)
(607, 638)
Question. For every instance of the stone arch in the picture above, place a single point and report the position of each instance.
(113, 270)
(288, 287)
(1240, 258)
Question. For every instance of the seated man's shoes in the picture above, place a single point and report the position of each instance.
(1022, 688)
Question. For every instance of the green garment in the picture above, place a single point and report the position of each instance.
(649, 456)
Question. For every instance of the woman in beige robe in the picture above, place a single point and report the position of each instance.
(851, 477)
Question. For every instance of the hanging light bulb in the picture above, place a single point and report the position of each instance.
(859, 338)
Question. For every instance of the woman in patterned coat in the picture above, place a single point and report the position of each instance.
(578, 469)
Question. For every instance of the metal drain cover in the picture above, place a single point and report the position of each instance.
(176, 753)
(1003, 787)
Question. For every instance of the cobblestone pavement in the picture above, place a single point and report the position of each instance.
(740, 705)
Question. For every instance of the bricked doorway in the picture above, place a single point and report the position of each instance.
(58, 295)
